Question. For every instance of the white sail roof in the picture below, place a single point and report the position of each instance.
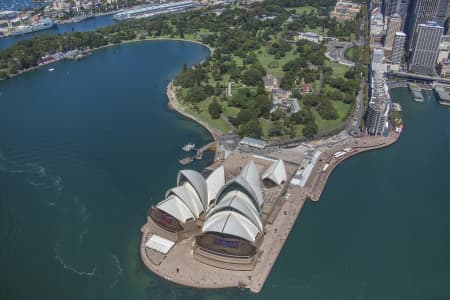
(189, 196)
(197, 181)
(215, 181)
(175, 207)
(250, 173)
(232, 223)
(276, 172)
(240, 202)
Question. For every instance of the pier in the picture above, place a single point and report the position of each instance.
(198, 153)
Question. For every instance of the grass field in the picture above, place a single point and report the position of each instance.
(229, 111)
(272, 65)
(265, 126)
(342, 110)
(304, 10)
(349, 53)
(204, 116)
(338, 69)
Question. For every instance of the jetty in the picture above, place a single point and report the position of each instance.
(198, 153)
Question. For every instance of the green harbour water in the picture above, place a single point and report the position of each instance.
(86, 149)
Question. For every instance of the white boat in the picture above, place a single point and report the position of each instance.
(188, 147)
(51, 69)
(43, 24)
(151, 10)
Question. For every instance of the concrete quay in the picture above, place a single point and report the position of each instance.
(318, 178)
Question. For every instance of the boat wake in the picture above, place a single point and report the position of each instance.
(66, 266)
(119, 271)
(35, 174)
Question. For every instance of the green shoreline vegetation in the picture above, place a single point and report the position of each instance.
(226, 90)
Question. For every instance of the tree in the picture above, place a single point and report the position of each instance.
(195, 94)
(302, 117)
(252, 77)
(252, 128)
(310, 130)
(209, 90)
(276, 115)
(215, 109)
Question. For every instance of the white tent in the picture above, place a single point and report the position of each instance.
(159, 244)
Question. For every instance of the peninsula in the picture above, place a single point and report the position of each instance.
(225, 227)
(291, 78)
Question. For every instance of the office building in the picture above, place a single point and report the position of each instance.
(426, 47)
(423, 11)
(398, 48)
(395, 25)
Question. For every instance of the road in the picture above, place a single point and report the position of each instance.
(336, 52)
(358, 111)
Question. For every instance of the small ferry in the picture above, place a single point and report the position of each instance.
(188, 147)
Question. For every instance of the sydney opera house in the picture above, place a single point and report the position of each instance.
(224, 214)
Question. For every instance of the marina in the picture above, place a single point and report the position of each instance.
(415, 91)
(198, 152)
(442, 95)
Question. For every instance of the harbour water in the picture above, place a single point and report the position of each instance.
(85, 25)
(87, 148)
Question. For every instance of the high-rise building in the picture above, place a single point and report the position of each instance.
(395, 25)
(377, 116)
(441, 13)
(423, 11)
(398, 47)
(391, 7)
(379, 105)
(403, 9)
(425, 48)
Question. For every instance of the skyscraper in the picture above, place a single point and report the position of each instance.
(397, 48)
(425, 48)
(403, 9)
(395, 25)
(379, 104)
(391, 7)
(423, 11)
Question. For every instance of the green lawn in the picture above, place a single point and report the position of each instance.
(275, 66)
(342, 110)
(239, 61)
(229, 111)
(349, 53)
(338, 69)
(204, 116)
(317, 30)
(304, 10)
(265, 126)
